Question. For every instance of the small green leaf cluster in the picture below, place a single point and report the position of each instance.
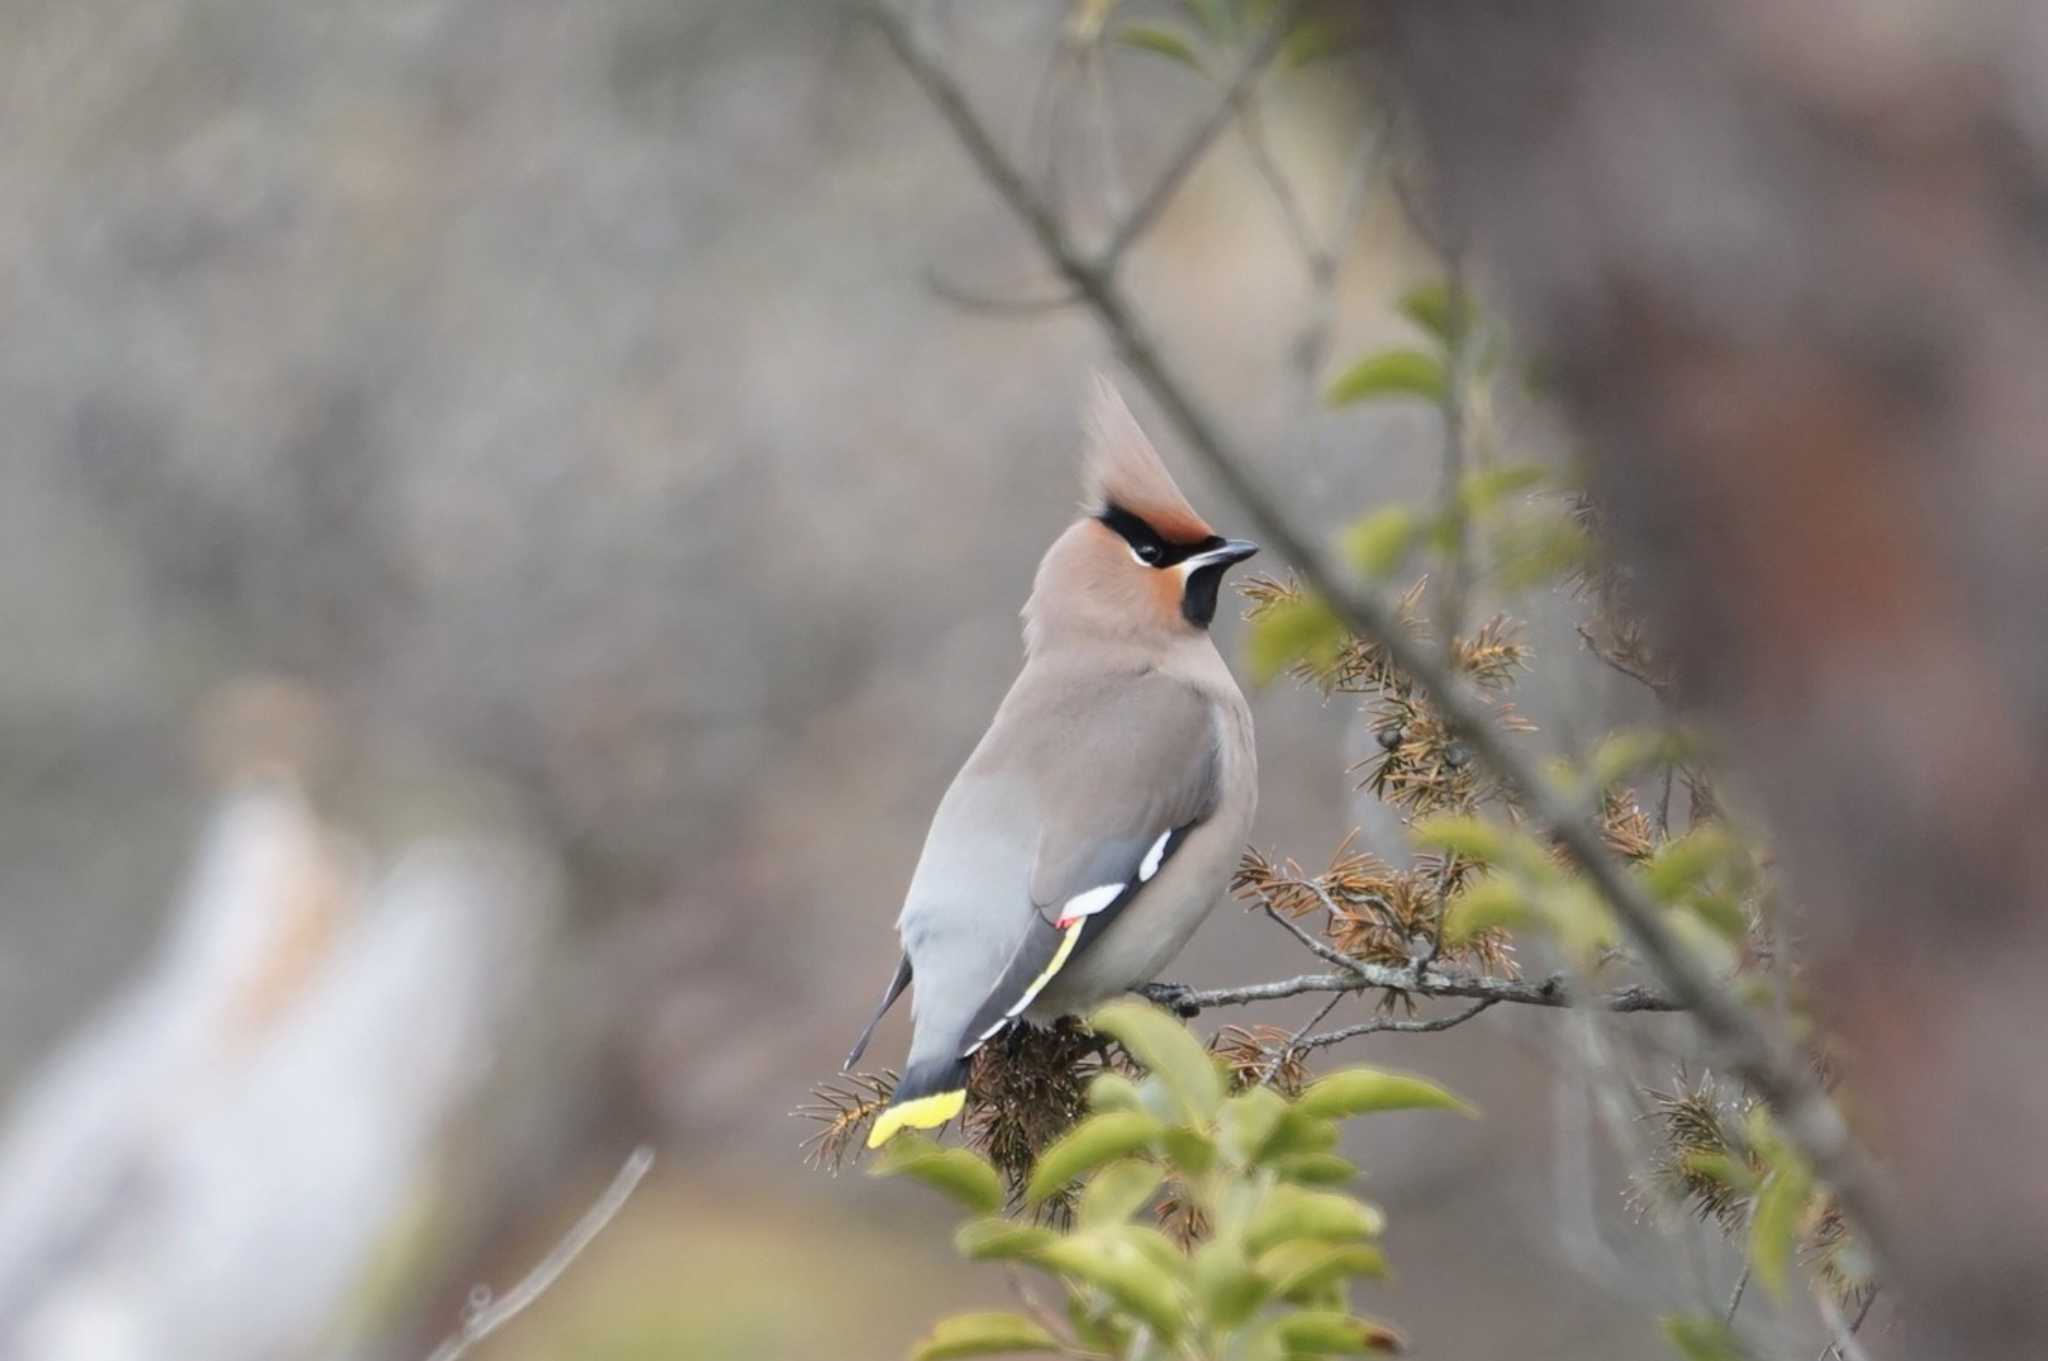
(1216, 27)
(1445, 314)
(1707, 879)
(1269, 1280)
(1530, 541)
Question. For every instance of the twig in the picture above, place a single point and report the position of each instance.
(1198, 141)
(1450, 600)
(484, 1314)
(1280, 1059)
(1329, 1037)
(1735, 1297)
(1778, 1072)
(1443, 888)
(1032, 1305)
(1844, 1346)
(969, 300)
(1252, 128)
(1659, 688)
(1328, 954)
(1313, 346)
(1554, 991)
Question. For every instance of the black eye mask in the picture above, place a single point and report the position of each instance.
(1198, 596)
(1145, 541)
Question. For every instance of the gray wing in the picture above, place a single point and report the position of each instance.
(1139, 765)
(1117, 777)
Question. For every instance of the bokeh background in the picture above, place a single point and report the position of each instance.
(502, 546)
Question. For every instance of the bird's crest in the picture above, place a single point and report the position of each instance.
(1121, 468)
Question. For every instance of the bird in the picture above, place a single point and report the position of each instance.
(1100, 817)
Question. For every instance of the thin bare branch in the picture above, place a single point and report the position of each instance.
(1659, 688)
(486, 1314)
(1252, 127)
(1387, 1023)
(1327, 953)
(1554, 991)
(1735, 1295)
(1198, 141)
(1779, 1072)
(971, 300)
(1844, 1345)
(1294, 1042)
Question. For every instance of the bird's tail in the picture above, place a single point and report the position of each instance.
(931, 1093)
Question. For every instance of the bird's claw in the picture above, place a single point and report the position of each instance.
(1178, 998)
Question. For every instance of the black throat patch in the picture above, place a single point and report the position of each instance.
(1198, 597)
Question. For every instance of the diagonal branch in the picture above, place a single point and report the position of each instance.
(486, 1314)
(1199, 139)
(1777, 1071)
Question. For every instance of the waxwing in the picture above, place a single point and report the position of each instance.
(1101, 815)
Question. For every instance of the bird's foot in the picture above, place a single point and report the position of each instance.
(1178, 998)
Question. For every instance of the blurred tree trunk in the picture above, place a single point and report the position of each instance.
(1789, 262)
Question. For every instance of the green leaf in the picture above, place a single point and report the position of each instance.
(1309, 43)
(996, 1239)
(1305, 1266)
(1096, 1325)
(1213, 15)
(1623, 754)
(1431, 307)
(1580, 919)
(1723, 914)
(1293, 631)
(961, 1174)
(1482, 490)
(1330, 1333)
(1537, 548)
(1300, 1132)
(1719, 1167)
(1156, 1039)
(1229, 1290)
(1114, 1092)
(1489, 843)
(1095, 1141)
(1470, 837)
(994, 1334)
(1358, 1091)
(1775, 1222)
(1191, 1150)
(1682, 864)
(1161, 40)
(1123, 1271)
(1289, 1212)
(1316, 1169)
(1390, 373)
(1378, 544)
(1117, 1192)
(1157, 1247)
(1487, 902)
(1697, 1338)
(1249, 1119)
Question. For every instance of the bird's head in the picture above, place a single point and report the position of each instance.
(1139, 563)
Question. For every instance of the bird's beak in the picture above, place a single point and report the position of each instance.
(1232, 551)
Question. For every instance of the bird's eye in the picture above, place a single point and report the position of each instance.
(1149, 552)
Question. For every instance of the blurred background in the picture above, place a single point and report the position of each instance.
(502, 546)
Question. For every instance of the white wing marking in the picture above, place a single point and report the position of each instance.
(1153, 857)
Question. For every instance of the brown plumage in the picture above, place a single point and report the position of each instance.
(1121, 468)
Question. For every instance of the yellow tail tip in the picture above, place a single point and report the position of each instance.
(927, 1112)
